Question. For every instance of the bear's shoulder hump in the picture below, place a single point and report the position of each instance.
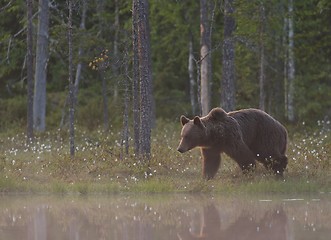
(217, 114)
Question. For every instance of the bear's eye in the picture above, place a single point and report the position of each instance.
(185, 137)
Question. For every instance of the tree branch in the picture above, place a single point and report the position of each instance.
(7, 6)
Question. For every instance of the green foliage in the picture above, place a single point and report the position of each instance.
(89, 112)
(12, 45)
(172, 25)
(13, 113)
(313, 49)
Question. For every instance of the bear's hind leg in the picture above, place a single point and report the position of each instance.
(244, 157)
(211, 159)
(278, 165)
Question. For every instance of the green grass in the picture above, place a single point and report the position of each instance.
(100, 167)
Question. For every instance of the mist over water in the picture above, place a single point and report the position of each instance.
(165, 216)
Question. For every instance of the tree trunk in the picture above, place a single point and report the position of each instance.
(205, 59)
(191, 76)
(135, 80)
(291, 65)
(80, 50)
(115, 50)
(71, 85)
(105, 100)
(64, 117)
(145, 75)
(100, 12)
(29, 67)
(39, 103)
(285, 46)
(262, 65)
(125, 131)
(197, 65)
(228, 90)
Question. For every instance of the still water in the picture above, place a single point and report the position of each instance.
(137, 217)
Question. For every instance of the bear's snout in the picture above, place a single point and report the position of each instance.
(179, 149)
(183, 147)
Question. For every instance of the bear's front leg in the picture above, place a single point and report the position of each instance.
(211, 159)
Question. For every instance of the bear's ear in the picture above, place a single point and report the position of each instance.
(197, 121)
(184, 120)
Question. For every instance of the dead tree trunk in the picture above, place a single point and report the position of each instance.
(29, 67)
(105, 100)
(115, 50)
(262, 60)
(64, 117)
(290, 65)
(100, 12)
(205, 59)
(71, 85)
(125, 131)
(228, 74)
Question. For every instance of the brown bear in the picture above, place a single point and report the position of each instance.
(245, 135)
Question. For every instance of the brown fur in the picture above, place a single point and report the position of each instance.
(245, 135)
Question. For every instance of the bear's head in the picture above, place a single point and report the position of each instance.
(193, 134)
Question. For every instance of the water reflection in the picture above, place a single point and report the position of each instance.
(164, 217)
(273, 225)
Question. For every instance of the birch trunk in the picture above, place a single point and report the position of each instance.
(39, 100)
(191, 76)
(80, 50)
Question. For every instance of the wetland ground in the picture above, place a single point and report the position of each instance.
(100, 166)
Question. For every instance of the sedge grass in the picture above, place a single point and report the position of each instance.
(100, 166)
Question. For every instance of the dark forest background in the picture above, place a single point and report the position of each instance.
(281, 59)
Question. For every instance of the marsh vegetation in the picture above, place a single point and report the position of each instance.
(101, 166)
